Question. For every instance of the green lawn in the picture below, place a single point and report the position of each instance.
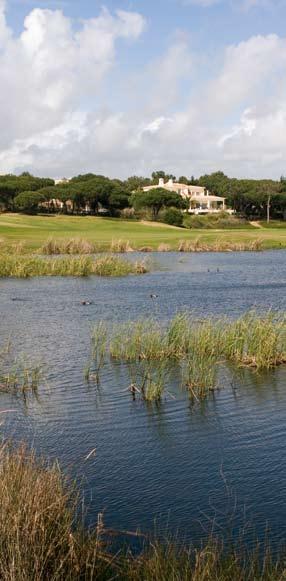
(35, 230)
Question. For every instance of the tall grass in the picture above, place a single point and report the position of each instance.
(148, 379)
(218, 245)
(69, 246)
(256, 341)
(164, 247)
(19, 376)
(22, 378)
(115, 266)
(252, 340)
(199, 374)
(120, 246)
(42, 539)
(29, 266)
(39, 536)
(142, 339)
(98, 352)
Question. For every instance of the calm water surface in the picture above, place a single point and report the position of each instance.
(183, 465)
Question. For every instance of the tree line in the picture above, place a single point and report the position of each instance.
(249, 198)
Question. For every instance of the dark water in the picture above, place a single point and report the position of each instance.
(186, 466)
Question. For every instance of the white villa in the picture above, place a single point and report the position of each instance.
(201, 201)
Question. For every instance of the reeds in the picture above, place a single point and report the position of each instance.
(42, 538)
(252, 339)
(199, 374)
(22, 378)
(82, 246)
(145, 249)
(120, 246)
(18, 247)
(220, 245)
(148, 379)
(31, 266)
(255, 341)
(69, 246)
(142, 339)
(98, 352)
(39, 536)
(164, 247)
(115, 266)
(199, 346)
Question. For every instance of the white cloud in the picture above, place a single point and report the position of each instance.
(55, 120)
(46, 70)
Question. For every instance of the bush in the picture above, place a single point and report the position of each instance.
(127, 214)
(219, 221)
(173, 216)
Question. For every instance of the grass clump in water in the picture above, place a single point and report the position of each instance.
(199, 374)
(22, 379)
(30, 266)
(148, 379)
(98, 352)
(115, 266)
(201, 345)
(137, 340)
(254, 340)
(19, 377)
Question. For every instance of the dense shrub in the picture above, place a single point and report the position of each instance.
(214, 221)
(173, 216)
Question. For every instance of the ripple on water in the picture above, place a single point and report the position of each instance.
(175, 461)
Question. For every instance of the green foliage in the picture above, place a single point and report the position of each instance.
(156, 199)
(248, 197)
(11, 186)
(156, 175)
(28, 266)
(173, 216)
(135, 183)
(218, 221)
(251, 340)
(29, 201)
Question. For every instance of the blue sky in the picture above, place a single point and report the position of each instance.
(129, 86)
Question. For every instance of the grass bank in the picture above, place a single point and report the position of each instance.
(24, 266)
(32, 232)
(42, 538)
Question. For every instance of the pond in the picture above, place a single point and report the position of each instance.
(187, 467)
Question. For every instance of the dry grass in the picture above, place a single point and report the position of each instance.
(146, 249)
(41, 538)
(120, 246)
(69, 246)
(197, 245)
(164, 248)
